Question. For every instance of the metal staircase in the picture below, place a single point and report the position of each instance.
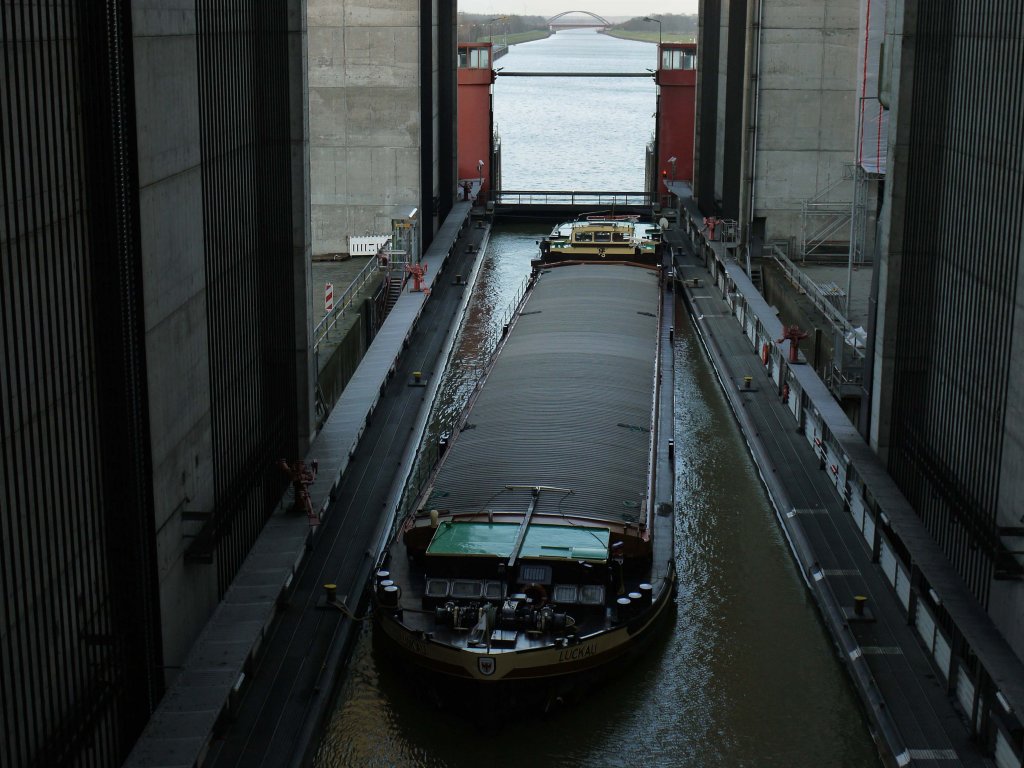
(394, 282)
(825, 219)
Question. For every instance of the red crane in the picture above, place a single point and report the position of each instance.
(301, 478)
(417, 271)
(794, 335)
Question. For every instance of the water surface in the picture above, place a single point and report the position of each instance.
(575, 133)
(744, 674)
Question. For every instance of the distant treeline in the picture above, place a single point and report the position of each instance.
(482, 24)
(670, 22)
(476, 26)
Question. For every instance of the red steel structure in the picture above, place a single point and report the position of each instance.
(475, 77)
(677, 102)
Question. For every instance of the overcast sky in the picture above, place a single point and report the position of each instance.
(600, 7)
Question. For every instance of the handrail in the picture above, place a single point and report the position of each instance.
(326, 325)
(571, 197)
(811, 289)
(504, 73)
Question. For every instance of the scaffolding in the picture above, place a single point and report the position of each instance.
(861, 218)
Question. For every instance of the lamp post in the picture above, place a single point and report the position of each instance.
(658, 22)
(490, 29)
(672, 161)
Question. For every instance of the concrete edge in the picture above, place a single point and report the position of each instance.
(157, 745)
(340, 649)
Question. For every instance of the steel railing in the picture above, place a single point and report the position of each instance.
(326, 325)
(811, 289)
(573, 198)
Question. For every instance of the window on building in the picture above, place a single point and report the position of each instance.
(676, 58)
(474, 58)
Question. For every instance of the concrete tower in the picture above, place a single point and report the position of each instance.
(381, 113)
(947, 393)
(775, 101)
(154, 349)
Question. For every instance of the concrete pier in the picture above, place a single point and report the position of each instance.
(258, 682)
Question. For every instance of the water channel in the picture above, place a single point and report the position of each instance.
(745, 675)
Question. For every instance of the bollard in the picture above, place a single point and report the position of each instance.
(331, 592)
(859, 602)
(417, 375)
(747, 381)
(622, 610)
(646, 594)
(389, 596)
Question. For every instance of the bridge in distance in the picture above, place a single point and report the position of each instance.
(577, 20)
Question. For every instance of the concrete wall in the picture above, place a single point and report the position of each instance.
(174, 255)
(1006, 601)
(721, 85)
(302, 239)
(434, 145)
(345, 356)
(177, 352)
(947, 413)
(890, 223)
(364, 116)
(803, 78)
(805, 134)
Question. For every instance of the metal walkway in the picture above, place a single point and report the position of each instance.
(559, 205)
(893, 653)
(259, 679)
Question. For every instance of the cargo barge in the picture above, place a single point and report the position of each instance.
(539, 556)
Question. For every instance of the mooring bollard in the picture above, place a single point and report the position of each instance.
(859, 601)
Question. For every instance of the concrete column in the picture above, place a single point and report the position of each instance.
(899, 40)
(298, 63)
(171, 229)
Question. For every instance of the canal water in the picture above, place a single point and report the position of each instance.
(572, 133)
(745, 675)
